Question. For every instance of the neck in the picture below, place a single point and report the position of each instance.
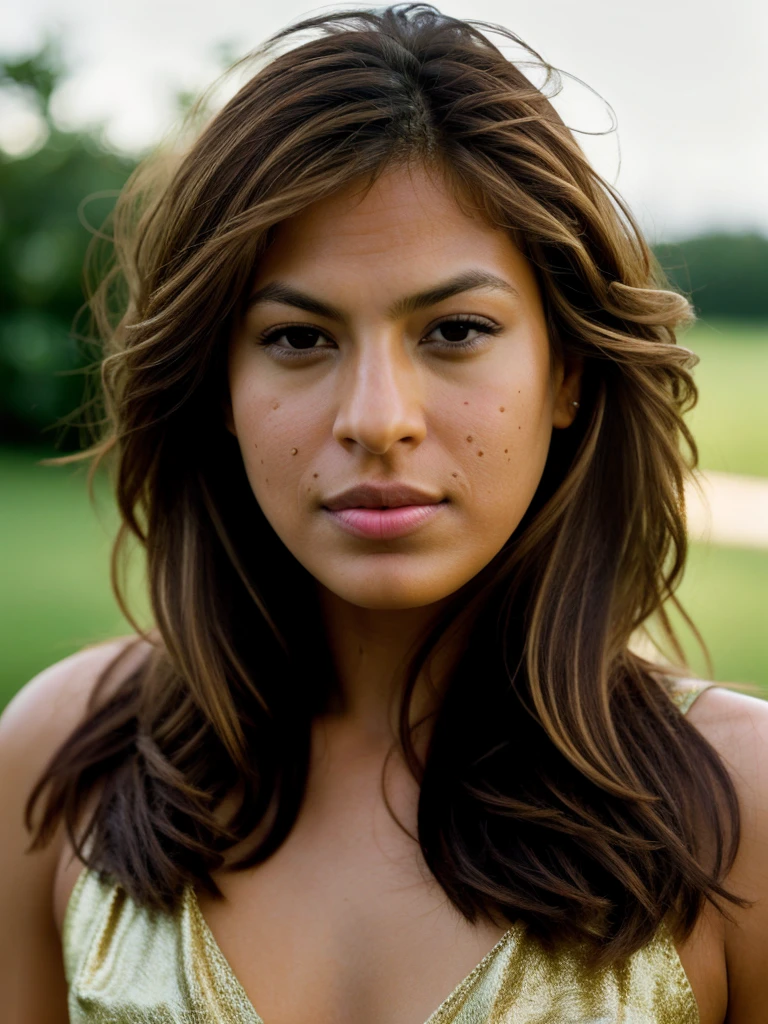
(371, 649)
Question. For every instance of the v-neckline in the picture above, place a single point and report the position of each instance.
(233, 982)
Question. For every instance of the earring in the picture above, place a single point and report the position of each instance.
(576, 404)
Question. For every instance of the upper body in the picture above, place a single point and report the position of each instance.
(396, 410)
(343, 923)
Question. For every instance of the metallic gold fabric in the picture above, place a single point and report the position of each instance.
(685, 695)
(128, 965)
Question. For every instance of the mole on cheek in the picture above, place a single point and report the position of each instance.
(294, 451)
(469, 439)
(276, 405)
(315, 475)
(454, 474)
(480, 454)
(501, 408)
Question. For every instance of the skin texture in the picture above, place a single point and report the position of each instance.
(348, 922)
(382, 397)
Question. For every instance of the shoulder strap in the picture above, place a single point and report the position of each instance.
(683, 694)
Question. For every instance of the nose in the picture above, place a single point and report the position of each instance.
(381, 398)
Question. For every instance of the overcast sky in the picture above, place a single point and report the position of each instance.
(687, 81)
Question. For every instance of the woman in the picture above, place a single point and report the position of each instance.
(395, 407)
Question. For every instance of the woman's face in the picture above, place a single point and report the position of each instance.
(395, 348)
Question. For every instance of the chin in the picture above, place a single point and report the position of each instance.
(381, 591)
(376, 601)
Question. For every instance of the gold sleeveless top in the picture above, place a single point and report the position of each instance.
(126, 964)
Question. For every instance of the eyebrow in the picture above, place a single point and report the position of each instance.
(277, 291)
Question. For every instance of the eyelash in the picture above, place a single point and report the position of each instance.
(269, 338)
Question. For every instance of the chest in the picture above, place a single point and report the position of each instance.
(345, 922)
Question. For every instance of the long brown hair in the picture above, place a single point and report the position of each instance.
(561, 784)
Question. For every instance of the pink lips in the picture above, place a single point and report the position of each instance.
(384, 523)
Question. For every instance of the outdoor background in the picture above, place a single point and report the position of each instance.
(86, 89)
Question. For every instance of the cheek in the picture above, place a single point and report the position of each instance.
(499, 440)
(276, 443)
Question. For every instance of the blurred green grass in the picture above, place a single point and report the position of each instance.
(730, 420)
(55, 549)
(725, 592)
(56, 595)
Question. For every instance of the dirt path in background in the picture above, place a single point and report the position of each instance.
(733, 512)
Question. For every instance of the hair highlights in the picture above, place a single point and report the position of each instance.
(561, 784)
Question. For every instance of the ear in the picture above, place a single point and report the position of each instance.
(567, 384)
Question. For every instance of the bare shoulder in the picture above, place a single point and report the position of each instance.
(51, 704)
(32, 727)
(45, 712)
(737, 727)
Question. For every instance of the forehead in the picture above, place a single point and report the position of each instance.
(409, 221)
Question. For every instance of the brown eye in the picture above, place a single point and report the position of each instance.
(461, 332)
(455, 330)
(295, 340)
(300, 337)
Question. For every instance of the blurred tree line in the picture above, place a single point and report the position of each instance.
(44, 235)
(43, 239)
(724, 275)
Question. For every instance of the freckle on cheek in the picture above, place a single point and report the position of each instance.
(466, 403)
(506, 450)
(501, 408)
(480, 454)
